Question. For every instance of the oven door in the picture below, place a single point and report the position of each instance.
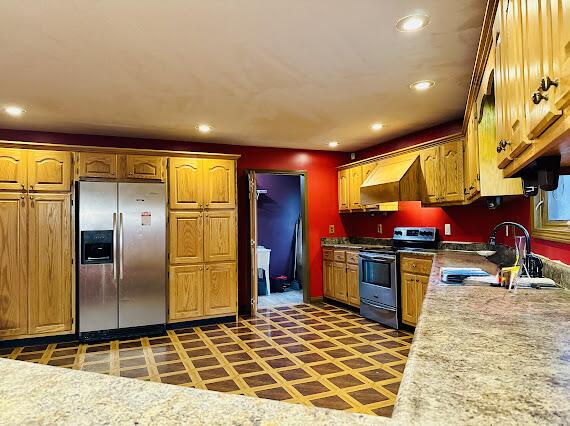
(377, 279)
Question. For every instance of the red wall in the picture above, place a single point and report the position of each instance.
(321, 179)
(468, 223)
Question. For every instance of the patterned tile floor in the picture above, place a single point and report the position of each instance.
(317, 355)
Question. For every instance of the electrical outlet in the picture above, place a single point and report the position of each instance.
(447, 229)
(331, 229)
(379, 228)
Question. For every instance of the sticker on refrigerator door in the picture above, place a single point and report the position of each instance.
(145, 218)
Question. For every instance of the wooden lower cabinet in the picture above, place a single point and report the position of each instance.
(352, 284)
(340, 284)
(186, 232)
(13, 285)
(186, 292)
(220, 289)
(340, 276)
(328, 279)
(414, 279)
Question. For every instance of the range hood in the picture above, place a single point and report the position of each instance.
(393, 179)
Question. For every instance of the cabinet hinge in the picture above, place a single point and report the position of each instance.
(478, 176)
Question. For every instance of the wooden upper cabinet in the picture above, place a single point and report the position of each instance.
(220, 289)
(355, 176)
(143, 167)
(503, 147)
(97, 165)
(186, 237)
(13, 248)
(186, 183)
(352, 284)
(49, 280)
(541, 62)
(13, 169)
(451, 167)
(343, 189)
(49, 170)
(471, 156)
(561, 47)
(220, 235)
(219, 184)
(186, 292)
(431, 173)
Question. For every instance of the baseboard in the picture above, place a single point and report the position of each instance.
(316, 299)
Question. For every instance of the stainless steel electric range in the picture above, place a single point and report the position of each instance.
(378, 274)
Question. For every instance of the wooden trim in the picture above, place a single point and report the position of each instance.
(316, 299)
(113, 150)
(420, 146)
(550, 232)
(485, 42)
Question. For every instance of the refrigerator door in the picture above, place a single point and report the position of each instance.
(142, 254)
(98, 267)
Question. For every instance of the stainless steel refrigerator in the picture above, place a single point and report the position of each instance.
(122, 258)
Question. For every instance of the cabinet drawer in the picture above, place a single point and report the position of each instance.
(415, 265)
(340, 256)
(352, 257)
(328, 254)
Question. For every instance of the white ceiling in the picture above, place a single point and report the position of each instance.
(283, 73)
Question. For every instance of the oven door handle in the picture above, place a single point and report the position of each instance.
(376, 258)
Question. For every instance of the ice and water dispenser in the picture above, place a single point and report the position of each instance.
(96, 247)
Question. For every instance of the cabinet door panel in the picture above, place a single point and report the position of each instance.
(409, 298)
(186, 183)
(186, 292)
(431, 173)
(501, 98)
(13, 261)
(343, 190)
(13, 169)
(219, 184)
(352, 285)
(219, 236)
(421, 289)
(49, 171)
(451, 166)
(220, 289)
(143, 167)
(97, 165)
(340, 285)
(561, 46)
(328, 279)
(186, 237)
(355, 174)
(50, 292)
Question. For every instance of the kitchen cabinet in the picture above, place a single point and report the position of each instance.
(220, 235)
(340, 276)
(355, 180)
(13, 252)
(328, 279)
(353, 293)
(148, 167)
(186, 292)
(13, 169)
(343, 190)
(442, 168)
(340, 284)
(97, 165)
(186, 237)
(414, 278)
(220, 292)
(49, 170)
(219, 184)
(49, 269)
(471, 157)
(186, 183)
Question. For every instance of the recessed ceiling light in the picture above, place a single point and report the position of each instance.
(412, 23)
(422, 85)
(333, 144)
(376, 126)
(14, 111)
(204, 128)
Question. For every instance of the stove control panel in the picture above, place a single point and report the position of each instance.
(415, 234)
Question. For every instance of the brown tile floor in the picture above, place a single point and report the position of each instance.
(317, 355)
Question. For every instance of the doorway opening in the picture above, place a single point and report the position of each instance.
(278, 231)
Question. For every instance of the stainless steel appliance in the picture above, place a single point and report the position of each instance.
(378, 274)
(122, 252)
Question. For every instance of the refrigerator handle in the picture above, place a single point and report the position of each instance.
(115, 260)
(121, 246)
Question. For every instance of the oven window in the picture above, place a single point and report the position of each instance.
(376, 273)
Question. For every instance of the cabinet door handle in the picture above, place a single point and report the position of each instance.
(546, 83)
(502, 145)
(537, 97)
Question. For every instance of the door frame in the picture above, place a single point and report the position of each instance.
(252, 232)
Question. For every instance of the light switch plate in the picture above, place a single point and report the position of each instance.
(331, 229)
(379, 228)
(447, 229)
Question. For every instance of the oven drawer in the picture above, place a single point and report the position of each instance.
(340, 256)
(328, 254)
(380, 314)
(352, 257)
(376, 294)
(415, 265)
